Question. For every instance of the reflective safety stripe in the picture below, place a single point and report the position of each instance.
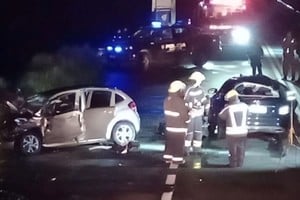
(172, 113)
(236, 130)
(177, 159)
(203, 99)
(176, 130)
(167, 156)
(195, 93)
(187, 143)
(196, 112)
(197, 143)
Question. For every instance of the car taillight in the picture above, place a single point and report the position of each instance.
(132, 106)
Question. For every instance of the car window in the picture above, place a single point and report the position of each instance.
(255, 89)
(163, 34)
(119, 98)
(143, 33)
(100, 99)
(64, 103)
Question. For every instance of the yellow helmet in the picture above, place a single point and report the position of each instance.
(231, 95)
(197, 76)
(176, 86)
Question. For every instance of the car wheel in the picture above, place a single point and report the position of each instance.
(145, 61)
(211, 131)
(29, 144)
(200, 59)
(123, 133)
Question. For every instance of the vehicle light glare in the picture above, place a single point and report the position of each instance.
(241, 35)
(156, 24)
(118, 49)
(284, 110)
(109, 48)
(291, 95)
(258, 109)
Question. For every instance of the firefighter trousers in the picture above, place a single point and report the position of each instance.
(174, 147)
(256, 65)
(288, 66)
(194, 134)
(237, 148)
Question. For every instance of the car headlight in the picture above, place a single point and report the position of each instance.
(241, 35)
(109, 48)
(118, 49)
(257, 109)
(284, 110)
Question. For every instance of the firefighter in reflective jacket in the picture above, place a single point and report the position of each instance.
(176, 117)
(235, 115)
(196, 99)
(289, 58)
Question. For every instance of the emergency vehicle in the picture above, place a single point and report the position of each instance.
(229, 20)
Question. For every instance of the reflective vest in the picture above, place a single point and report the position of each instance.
(235, 116)
(195, 98)
(176, 114)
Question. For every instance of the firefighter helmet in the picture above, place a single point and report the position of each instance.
(176, 86)
(198, 77)
(231, 95)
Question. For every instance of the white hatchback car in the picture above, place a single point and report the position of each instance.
(83, 116)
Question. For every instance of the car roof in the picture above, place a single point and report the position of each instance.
(55, 91)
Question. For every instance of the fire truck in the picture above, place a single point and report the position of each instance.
(230, 21)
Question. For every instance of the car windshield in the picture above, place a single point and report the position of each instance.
(134, 99)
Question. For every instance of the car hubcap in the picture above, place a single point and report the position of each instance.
(124, 134)
(30, 144)
(146, 62)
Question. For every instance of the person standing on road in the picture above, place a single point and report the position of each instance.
(196, 100)
(288, 61)
(235, 116)
(255, 54)
(177, 118)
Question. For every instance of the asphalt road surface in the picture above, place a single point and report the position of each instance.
(96, 172)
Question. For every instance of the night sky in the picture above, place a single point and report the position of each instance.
(32, 26)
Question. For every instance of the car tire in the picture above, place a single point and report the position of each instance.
(211, 131)
(199, 59)
(145, 61)
(123, 133)
(28, 144)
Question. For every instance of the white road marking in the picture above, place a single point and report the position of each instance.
(170, 180)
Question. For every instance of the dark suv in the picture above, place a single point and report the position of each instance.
(169, 45)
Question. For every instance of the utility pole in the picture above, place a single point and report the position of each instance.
(164, 11)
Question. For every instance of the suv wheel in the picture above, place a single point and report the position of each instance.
(199, 59)
(145, 61)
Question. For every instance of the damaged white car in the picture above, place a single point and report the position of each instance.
(79, 116)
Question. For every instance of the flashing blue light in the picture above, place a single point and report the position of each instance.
(109, 48)
(118, 49)
(156, 24)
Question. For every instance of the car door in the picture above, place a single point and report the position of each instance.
(62, 118)
(98, 113)
(164, 47)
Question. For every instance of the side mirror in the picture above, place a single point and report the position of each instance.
(212, 91)
(291, 95)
